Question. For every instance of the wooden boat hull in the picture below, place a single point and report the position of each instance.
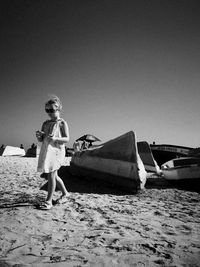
(113, 179)
(116, 162)
(147, 158)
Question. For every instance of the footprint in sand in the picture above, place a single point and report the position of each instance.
(168, 229)
(184, 229)
(110, 221)
(160, 262)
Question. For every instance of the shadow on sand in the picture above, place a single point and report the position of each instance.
(96, 186)
(16, 200)
(161, 183)
(77, 184)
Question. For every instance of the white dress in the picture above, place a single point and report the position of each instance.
(52, 154)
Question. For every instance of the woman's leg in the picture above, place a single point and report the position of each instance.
(51, 185)
(60, 185)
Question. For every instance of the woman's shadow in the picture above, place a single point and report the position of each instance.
(17, 200)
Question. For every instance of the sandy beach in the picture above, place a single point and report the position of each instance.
(98, 226)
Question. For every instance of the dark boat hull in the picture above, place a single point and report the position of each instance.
(164, 153)
(127, 184)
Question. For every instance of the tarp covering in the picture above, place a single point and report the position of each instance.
(33, 151)
(118, 158)
(12, 151)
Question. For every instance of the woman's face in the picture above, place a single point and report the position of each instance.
(52, 111)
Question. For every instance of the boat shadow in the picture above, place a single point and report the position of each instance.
(88, 185)
(78, 184)
(162, 183)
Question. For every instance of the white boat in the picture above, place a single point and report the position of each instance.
(116, 161)
(181, 169)
(12, 151)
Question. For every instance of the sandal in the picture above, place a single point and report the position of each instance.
(62, 199)
(45, 206)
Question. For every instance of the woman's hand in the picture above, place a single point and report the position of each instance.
(51, 138)
(58, 140)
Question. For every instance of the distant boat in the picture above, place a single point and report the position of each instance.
(116, 161)
(12, 151)
(163, 153)
(182, 169)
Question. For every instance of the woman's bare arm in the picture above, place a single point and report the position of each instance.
(64, 132)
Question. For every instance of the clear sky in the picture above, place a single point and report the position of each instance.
(116, 65)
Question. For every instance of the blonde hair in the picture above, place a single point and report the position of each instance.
(54, 100)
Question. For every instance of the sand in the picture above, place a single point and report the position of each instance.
(98, 226)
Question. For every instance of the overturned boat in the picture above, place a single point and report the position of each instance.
(185, 168)
(116, 161)
(147, 158)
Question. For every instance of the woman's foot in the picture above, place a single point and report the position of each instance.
(63, 199)
(45, 205)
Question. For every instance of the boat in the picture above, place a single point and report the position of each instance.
(116, 161)
(184, 168)
(12, 151)
(164, 152)
(147, 158)
(195, 152)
